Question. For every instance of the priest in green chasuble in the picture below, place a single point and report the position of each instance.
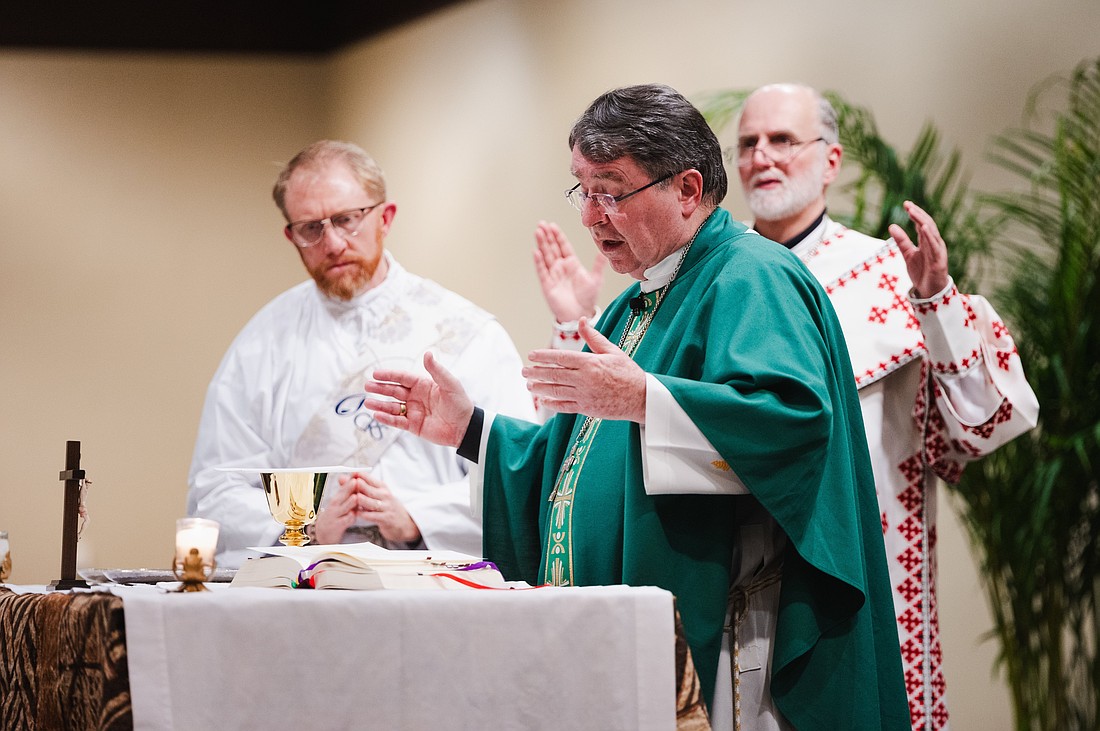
(708, 439)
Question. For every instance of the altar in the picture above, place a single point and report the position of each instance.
(599, 658)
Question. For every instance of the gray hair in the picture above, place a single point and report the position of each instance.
(657, 127)
(826, 112)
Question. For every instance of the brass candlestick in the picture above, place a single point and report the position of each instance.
(5, 557)
(196, 545)
(195, 571)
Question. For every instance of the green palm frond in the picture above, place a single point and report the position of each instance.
(720, 108)
(930, 177)
(1033, 508)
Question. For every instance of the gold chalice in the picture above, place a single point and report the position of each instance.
(293, 498)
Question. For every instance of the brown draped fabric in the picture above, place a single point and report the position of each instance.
(63, 662)
(691, 709)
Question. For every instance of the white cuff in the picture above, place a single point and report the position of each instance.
(954, 345)
(567, 334)
(676, 457)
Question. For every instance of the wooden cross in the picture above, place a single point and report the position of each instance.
(72, 476)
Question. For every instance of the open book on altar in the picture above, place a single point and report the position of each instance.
(367, 566)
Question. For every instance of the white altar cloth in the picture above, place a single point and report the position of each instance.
(599, 658)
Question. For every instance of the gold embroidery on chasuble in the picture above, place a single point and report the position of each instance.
(558, 569)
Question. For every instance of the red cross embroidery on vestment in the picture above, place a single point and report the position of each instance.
(965, 447)
(936, 446)
(927, 307)
(910, 497)
(1003, 414)
(910, 620)
(936, 421)
(983, 430)
(939, 686)
(971, 315)
(909, 589)
(916, 708)
(950, 472)
(910, 528)
(911, 651)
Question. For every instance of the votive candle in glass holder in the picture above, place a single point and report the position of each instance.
(198, 533)
(5, 556)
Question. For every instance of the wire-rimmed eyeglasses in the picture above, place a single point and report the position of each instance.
(605, 201)
(308, 233)
(780, 151)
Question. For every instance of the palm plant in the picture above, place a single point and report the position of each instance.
(928, 176)
(1032, 508)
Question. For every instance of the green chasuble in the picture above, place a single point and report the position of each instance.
(748, 344)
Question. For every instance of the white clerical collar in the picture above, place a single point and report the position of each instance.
(660, 273)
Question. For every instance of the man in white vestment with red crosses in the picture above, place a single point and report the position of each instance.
(940, 381)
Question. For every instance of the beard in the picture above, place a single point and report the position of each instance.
(354, 279)
(348, 284)
(791, 198)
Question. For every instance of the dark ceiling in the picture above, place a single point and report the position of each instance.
(314, 27)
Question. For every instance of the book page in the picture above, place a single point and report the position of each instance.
(366, 554)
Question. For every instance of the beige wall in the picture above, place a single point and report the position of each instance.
(138, 236)
(138, 232)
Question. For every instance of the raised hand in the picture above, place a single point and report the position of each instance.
(570, 290)
(434, 407)
(605, 383)
(927, 263)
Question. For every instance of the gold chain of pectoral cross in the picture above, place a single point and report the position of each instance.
(559, 554)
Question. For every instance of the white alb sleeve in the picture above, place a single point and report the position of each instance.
(676, 457)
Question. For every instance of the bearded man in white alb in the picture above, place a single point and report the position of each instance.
(288, 393)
